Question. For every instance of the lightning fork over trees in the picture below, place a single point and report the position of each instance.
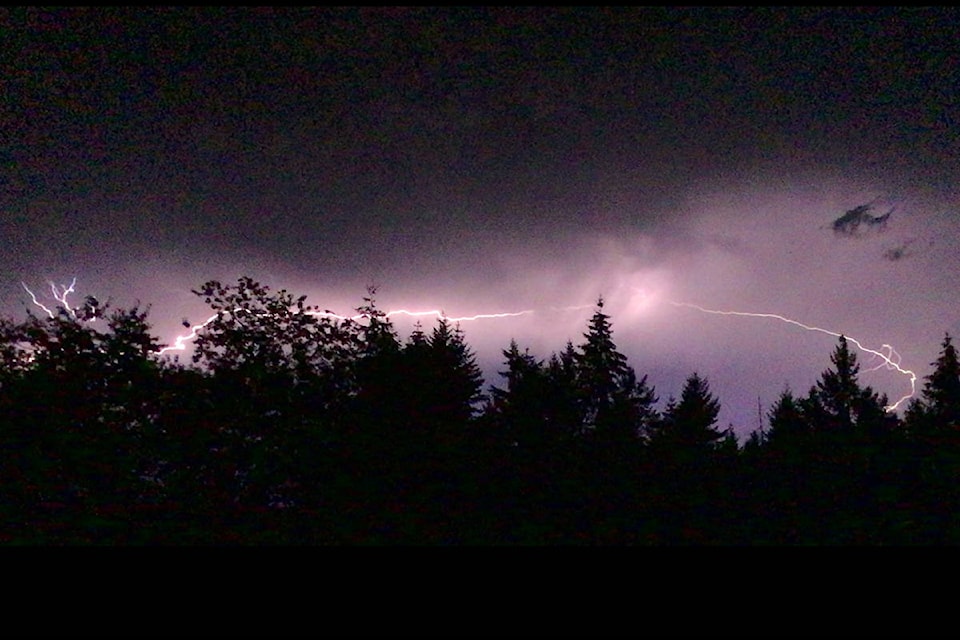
(890, 359)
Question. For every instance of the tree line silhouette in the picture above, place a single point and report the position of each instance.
(294, 428)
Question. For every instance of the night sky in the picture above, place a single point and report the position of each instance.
(490, 160)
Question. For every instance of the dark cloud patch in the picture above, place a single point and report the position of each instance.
(900, 251)
(849, 224)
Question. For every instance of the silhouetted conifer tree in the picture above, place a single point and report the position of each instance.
(613, 402)
(440, 386)
(754, 444)
(519, 410)
(728, 445)
(688, 425)
(939, 409)
(942, 389)
(933, 427)
(781, 486)
(788, 426)
(837, 389)
(564, 413)
(458, 381)
(852, 444)
(837, 404)
(684, 447)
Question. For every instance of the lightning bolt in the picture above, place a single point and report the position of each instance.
(442, 316)
(891, 356)
(890, 359)
(60, 295)
(180, 344)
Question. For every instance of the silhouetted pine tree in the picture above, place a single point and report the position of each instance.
(933, 427)
(688, 425)
(519, 410)
(459, 381)
(683, 445)
(728, 447)
(789, 430)
(780, 489)
(519, 442)
(411, 396)
(942, 390)
(938, 411)
(614, 404)
(564, 415)
(438, 389)
(838, 404)
(853, 436)
(442, 389)
(837, 390)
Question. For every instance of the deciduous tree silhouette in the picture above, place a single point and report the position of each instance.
(280, 371)
(79, 413)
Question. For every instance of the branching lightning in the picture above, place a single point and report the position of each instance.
(890, 359)
(59, 294)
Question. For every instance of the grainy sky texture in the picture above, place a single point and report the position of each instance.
(485, 160)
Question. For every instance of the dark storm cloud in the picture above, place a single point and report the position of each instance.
(477, 158)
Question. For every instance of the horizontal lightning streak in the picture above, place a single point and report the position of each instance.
(180, 344)
(441, 315)
(891, 361)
